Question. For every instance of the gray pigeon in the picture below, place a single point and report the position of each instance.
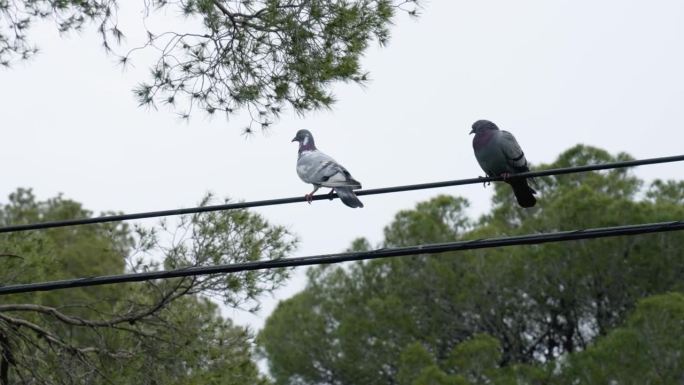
(321, 170)
(499, 154)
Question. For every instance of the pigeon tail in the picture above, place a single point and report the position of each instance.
(348, 197)
(523, 192)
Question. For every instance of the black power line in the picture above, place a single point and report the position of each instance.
(282, 201)
(529, 239)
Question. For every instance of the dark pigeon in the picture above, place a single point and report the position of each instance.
(321, 170)
(499, 154)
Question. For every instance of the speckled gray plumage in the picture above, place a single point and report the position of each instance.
(321, 170)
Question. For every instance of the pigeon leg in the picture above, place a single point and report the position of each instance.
(505, 175)
(331, 194)
(309, 196)
(484, 184)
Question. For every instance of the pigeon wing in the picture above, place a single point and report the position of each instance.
(515, 157)
(320, 169)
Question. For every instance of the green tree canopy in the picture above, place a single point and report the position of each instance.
(503, 315)
(156, 332)
(649, 349)
(259, 56)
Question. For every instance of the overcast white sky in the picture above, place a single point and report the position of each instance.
(555, 73)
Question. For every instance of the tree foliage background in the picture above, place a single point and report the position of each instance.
(594, 311)
(258, 56)
(156, 332)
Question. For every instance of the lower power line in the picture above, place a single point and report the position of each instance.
(529, 239)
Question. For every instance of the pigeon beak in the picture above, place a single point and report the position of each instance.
(294, 139)
(472, 131)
